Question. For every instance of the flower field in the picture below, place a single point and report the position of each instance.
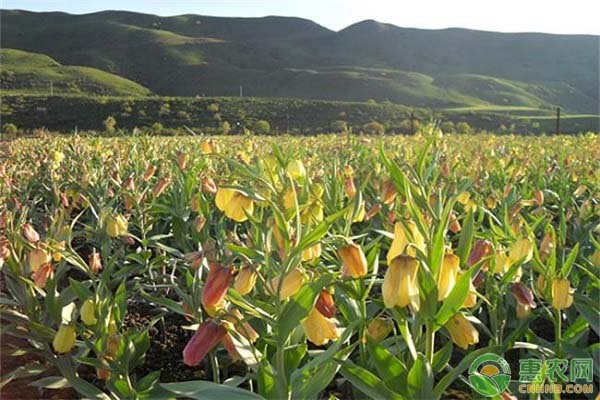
(332, 266)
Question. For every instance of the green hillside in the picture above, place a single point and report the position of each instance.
(191, 55)
(31, 73)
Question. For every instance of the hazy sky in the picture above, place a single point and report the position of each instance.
(552, 16)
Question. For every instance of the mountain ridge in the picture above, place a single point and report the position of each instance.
(274, 56)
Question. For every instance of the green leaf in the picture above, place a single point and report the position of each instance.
(367, 382)
(466, 239)
(566, 268)
(147, 382)
(389, 367)
(205, 390)
(420, 379)
(465, 363)
(300, 306)
(442, 357)
(454, 301)
(80, 289)
(51, 382)
(588, 310)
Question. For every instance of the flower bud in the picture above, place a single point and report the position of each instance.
(150, 171)
(480, 250)
(65, 339)
(245, 280)
(216, 285)
(161, 185)
(88, 312)
(454, 224)
(349, 188)
(388, 194)
(95, 262)
(325, 304)
(208, 335)
(116, 226)
(30, 234)
(354, 262)
(198, 223)
(181, 160)
(379, 328)
(562, 297)
(523, 310)
(546, 246)
(462, 332)
(209, 186)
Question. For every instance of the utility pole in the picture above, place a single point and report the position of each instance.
(241, 91)
(557, 120)
(51, 89)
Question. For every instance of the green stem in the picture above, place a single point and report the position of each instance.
(281, 376)
(214, 364)
(558, 334)
(430, 342)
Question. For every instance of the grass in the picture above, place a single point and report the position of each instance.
(30, 73)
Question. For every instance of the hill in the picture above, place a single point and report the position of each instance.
(190, 55)
(31, 73)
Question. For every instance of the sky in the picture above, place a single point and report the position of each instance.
(550, 16)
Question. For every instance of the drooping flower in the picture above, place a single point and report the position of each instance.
(325, 304)
(447, 275)
(88, 312)
(311, 253)
(208, 335)
(400, 284)
(406, 240)
(295, 170)
(245, 280)
(41, 276)
(37, 257)
(462, 332)
(354, 262)
(116, 226)
(319, 329)
(521, 250)
(291, 284)
(234, 204)
(379, 328)
(64, 340)
(562, 296)
(95, 262)
(481, 249)
(216, 285)
(30, 234)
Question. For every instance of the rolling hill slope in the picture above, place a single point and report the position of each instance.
(191, 55)
(31, 73)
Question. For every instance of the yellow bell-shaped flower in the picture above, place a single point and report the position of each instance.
(562, 297)
(291, 284)
(447, 275)
(522, 249)
(116, 226)
(234, 204)
(354, 262)
(319, 329)
(403, 237)
(462, 332)
(65, 339)
(88, 312)
(245, 280)
(400, 284)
